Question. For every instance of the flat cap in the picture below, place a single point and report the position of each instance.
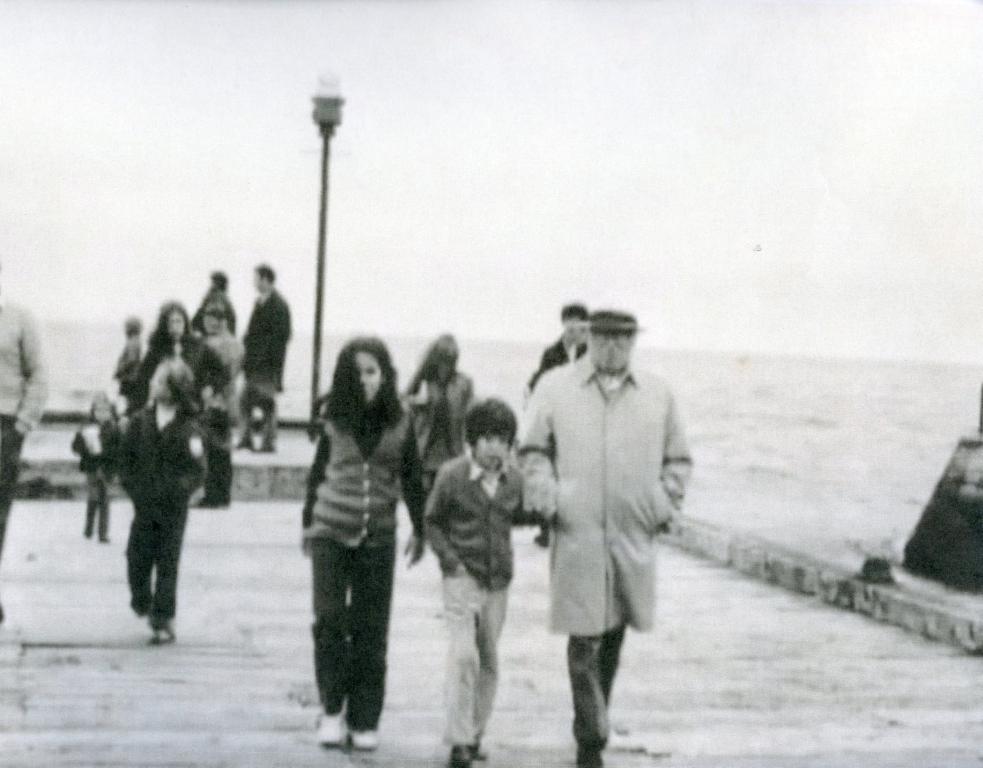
(613, 321)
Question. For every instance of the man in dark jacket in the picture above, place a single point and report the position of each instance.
(570, 346)
(218, 294)
(266, 351)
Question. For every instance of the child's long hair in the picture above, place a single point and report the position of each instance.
(442, 351)
(345, 404)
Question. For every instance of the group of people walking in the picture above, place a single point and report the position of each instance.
(180, 404)
(602, 463)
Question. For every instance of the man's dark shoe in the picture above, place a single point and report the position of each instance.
(1, 614)
(589, 757)
(460, 756)
(477, 753)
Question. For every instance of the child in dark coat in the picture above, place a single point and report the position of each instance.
(219, 408)
(475, 501)
(128, 365)
(162, 463)
(97, 444)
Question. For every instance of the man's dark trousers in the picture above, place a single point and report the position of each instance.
(353, 589)
(155, 542)
(593, 663)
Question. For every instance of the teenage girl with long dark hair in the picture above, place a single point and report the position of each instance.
(366, 461)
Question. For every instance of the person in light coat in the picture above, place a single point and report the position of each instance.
(23, 392)
(605, 452)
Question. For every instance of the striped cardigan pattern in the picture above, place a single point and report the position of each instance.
(358, 497)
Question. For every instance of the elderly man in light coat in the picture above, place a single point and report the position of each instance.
(605, 452)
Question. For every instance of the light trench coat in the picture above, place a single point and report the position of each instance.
(621, 464)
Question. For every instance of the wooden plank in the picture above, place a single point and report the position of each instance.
(736, 671)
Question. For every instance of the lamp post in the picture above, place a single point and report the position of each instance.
(327, 115)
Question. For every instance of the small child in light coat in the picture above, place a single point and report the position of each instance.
(97, 444)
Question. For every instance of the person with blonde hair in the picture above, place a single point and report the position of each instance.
(162, 463)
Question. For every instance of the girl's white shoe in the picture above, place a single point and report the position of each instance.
(365, 741)
(331, 731)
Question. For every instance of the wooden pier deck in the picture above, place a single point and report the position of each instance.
(738, 673)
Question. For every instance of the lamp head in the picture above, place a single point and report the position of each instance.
(327, 102)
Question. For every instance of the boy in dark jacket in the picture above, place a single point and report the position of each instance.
(476, 499)
(97, 444)
(162, 463)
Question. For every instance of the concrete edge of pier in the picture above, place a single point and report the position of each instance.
(912, 604)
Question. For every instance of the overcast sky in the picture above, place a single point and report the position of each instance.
(800, 177)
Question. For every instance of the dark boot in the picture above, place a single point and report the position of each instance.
(589, 757)
(460, 756)
(477, 753)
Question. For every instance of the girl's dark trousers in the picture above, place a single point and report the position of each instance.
(98, 502)
(218, 459)
(352, 595)
(155, 543)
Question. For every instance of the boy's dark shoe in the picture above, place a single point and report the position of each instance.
(460, 756)
(103, 539)
(589, 757)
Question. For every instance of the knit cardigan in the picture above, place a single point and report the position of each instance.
(352, 497)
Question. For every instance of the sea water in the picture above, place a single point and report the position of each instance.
(783, 446)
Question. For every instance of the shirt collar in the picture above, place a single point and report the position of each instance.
(476, 471)
(588, 374)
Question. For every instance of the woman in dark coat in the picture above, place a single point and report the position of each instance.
(438, 397)
(173, 338)
(366, 460)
